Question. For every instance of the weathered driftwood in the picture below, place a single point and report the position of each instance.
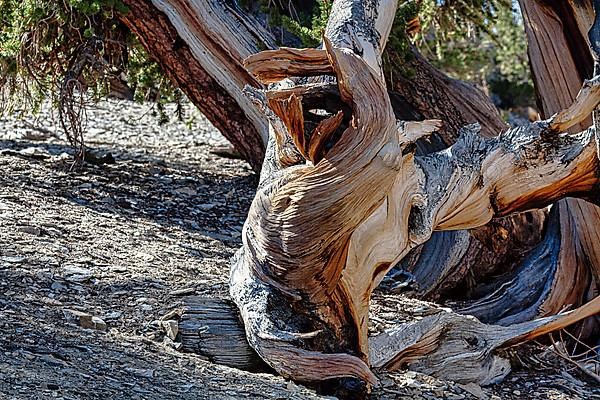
(319, 239)
(563, 267)
(437, 341)
(201, 46)
(557, 270)
(459, 347)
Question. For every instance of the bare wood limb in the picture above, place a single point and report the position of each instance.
(585, 102)
(274, 65)
(211, 328)
(321, 134)
(212, 83)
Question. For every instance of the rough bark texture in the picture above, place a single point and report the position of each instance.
(206, 63)
(211, 328)
(558, 52)
(454, 263)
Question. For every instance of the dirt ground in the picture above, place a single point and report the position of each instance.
(124, 242)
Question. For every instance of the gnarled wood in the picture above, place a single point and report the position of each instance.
(211, 328)
(460, 348)
(316, 246)
(274, 65)
(322, 234)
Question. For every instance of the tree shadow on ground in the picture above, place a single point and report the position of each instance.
(210, 199)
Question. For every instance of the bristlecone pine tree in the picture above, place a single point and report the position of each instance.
(348, 192)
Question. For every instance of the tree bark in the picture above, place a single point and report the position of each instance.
(344, 197)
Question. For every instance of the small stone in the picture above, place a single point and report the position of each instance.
(171, 328)
(77, 274)
(57, 286)
(50, 386)
(113, 315)
(13, 259)
(119, 268)
(84, 320)
(60, 157)
(517, 392)
(182, 292)
(146, 307)
(475, 390)
(35, 152)
(186, 191)
(32, 230)
(144, 373)
(98, 324)
(206, 206)
(51, 302)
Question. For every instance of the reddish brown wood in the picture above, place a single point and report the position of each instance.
(165, 46)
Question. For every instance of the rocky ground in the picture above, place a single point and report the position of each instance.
(93, 257)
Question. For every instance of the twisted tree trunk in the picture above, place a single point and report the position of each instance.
(319, 239)
(200, 45)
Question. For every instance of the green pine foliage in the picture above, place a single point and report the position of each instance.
(43, 44)
(480, 41)
(310, 29)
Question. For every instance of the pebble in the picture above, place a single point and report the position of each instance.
(77, 274)
(14, 259)
(182, 292)
(84, 320)
(146, 307)
(171, 328)
(32, 230)
(186, 191)
(113, 315)
(205, 206)
(57, 286)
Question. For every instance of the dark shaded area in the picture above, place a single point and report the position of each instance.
(167, 192)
